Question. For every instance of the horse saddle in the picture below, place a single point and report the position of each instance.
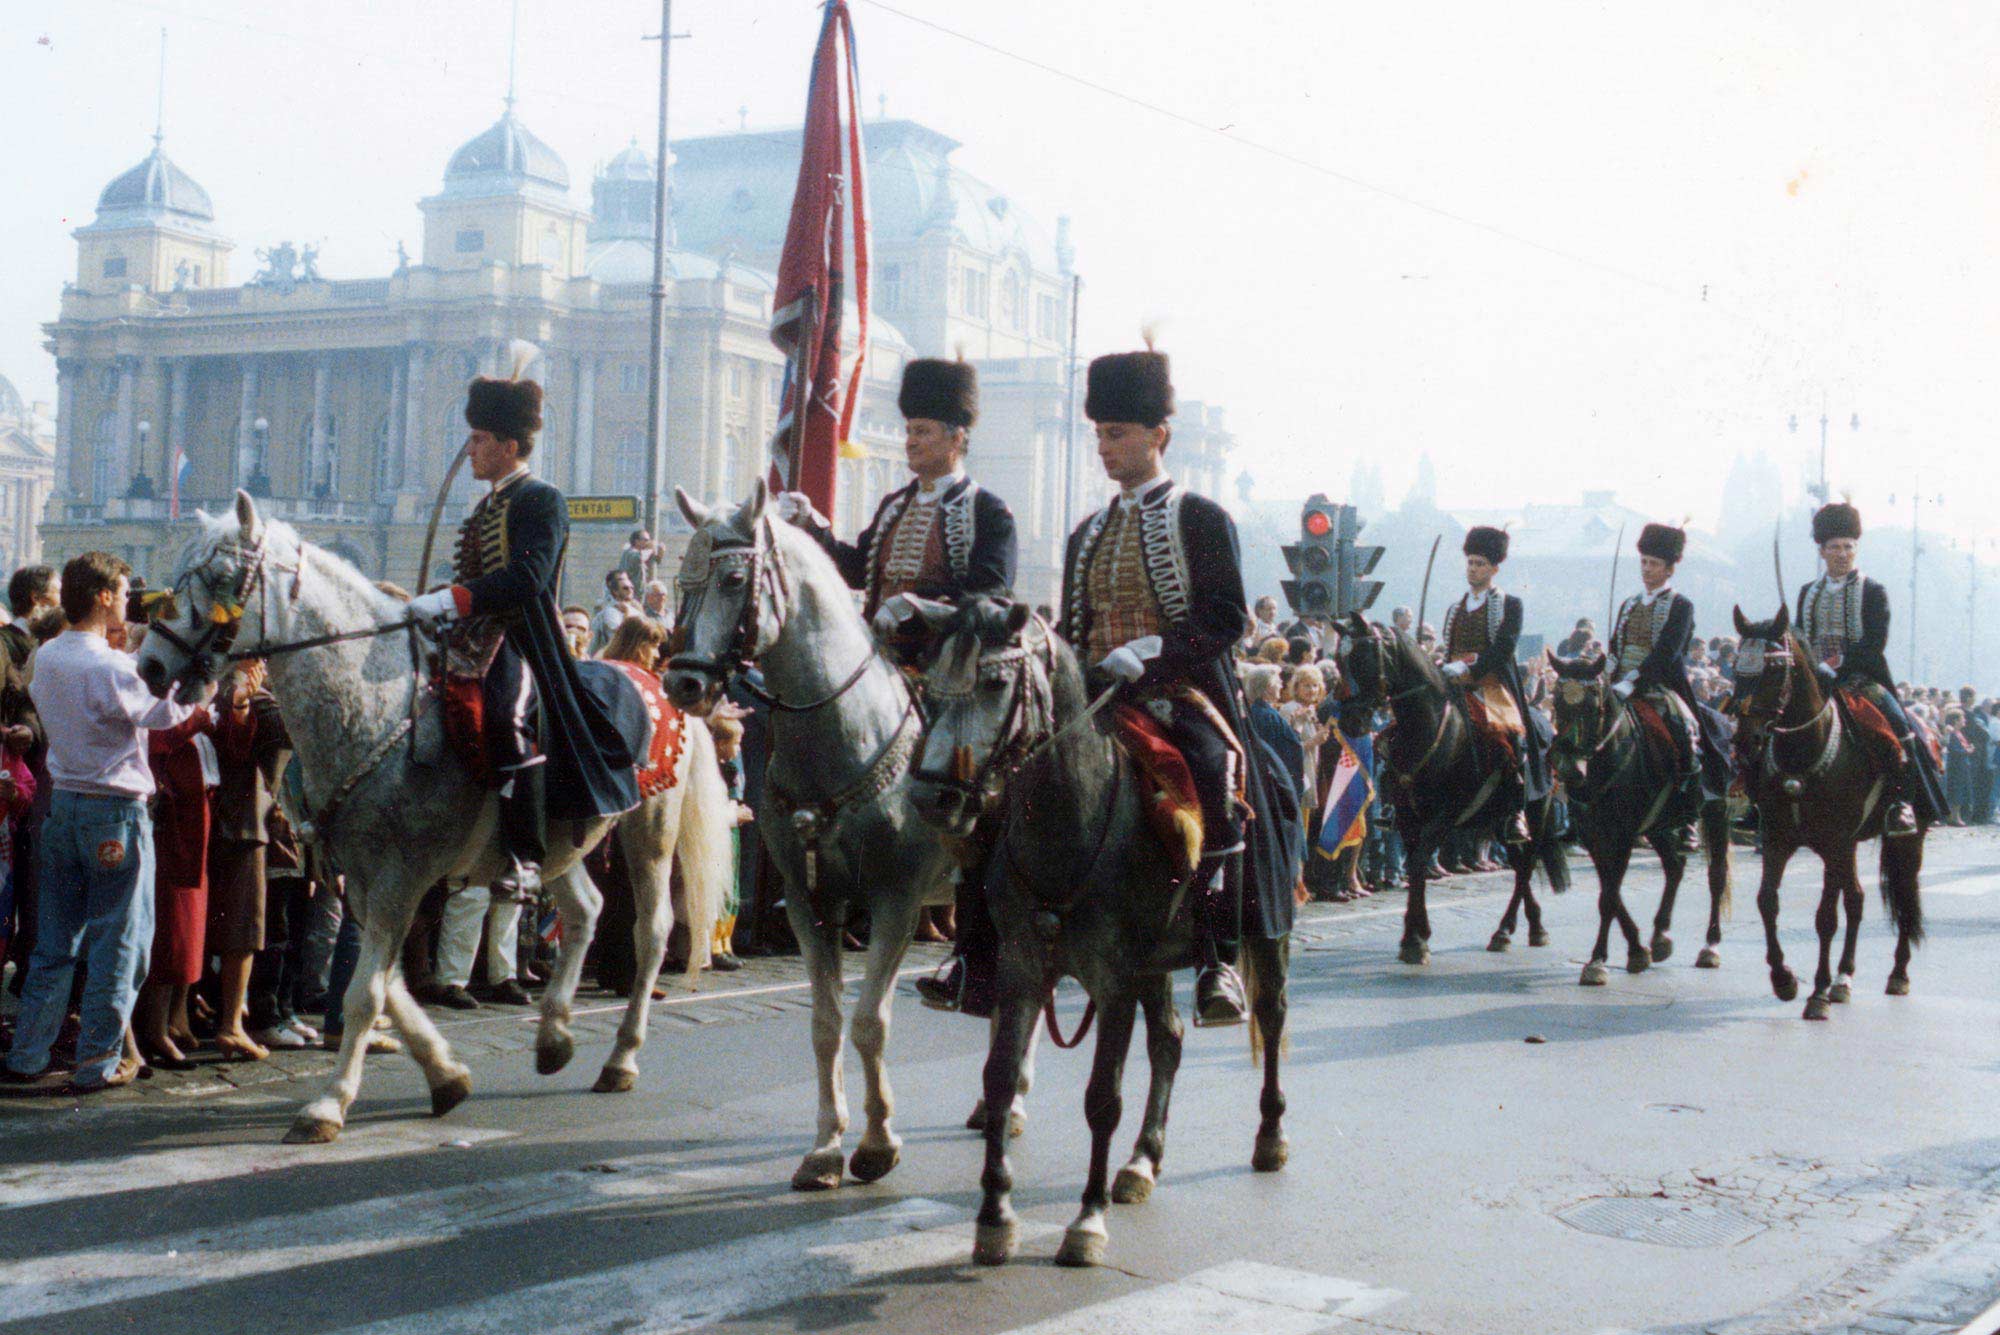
(1496, 723)
(1671, 732)
(665, 733)
(1867, 719)
(1166, 784)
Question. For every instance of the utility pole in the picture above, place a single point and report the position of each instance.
(1916, 553)
(1819, 490)
(1069, 410)
(656, 371)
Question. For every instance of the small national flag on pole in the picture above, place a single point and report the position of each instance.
(825, 262)
(182, 467)
(1344, 820)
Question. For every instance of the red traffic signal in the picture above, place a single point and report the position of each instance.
(1318, 523)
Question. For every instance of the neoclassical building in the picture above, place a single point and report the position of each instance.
(27, 467)
(337, 403)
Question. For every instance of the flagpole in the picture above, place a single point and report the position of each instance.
(656, 398)
(1069, 410)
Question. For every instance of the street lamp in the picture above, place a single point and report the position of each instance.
(260, 437)
(1818, 490)
(141, 488)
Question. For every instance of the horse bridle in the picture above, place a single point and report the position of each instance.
(762, 563)
(1383, 700)
(1016, 744)
(1782, 655)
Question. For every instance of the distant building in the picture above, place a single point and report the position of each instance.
(27, 469)
(337, 403)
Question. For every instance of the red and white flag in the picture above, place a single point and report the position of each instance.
(824, 264)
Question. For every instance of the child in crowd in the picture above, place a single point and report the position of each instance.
(728, 747)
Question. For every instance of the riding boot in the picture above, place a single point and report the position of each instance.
(1515, 832)
(966, 981)
(1901, 818)
(523, 833)
(1218, 988)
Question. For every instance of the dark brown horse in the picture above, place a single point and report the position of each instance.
(1619, 793)
(1440, 783)
(1818, 784)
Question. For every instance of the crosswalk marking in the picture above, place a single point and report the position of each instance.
(1238, 1298)
(45, 1286)
(692, 1289)
(40, 1184)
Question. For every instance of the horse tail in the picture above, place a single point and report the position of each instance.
(1902, 860)
(702, 846)
(1715, 848)
(1549, 847)
(1257, 984)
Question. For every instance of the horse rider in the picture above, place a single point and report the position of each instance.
(1482, 630)
(1649, 645)
(1153, 598)
(1843, 616)
(941, 536)
(504, 594)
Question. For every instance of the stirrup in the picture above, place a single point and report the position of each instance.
(519, 884)
(1901, 819)
(1516, 833)
(943, 989)
(1218, 998)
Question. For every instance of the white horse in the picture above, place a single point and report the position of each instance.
(395, 823)
(837, 819)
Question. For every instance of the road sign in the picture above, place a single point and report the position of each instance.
(603, 509)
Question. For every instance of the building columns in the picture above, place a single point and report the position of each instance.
(316, 441)
(583, 440)
(68, 370)
(116, 470)
(409, 477)
(390, 478)
(176, 432)
(246, 434)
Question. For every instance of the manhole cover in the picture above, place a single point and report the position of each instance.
(1665, 1223)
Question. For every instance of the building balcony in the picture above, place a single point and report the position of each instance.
(157, 510)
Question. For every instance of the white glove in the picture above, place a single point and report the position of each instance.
(1128, 661)
(437, 605)
(1623, 690)
(1455, 669)
(795, 507)
(890, 616)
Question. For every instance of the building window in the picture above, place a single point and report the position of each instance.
(773, 390)
(1048, 318)
(114, 266)
(551, 248)
(628, 467)
(736, 380)
(631, 377)
(471, 240)
(1010, 301)
(976, 288)
(107, 380)
(892, 287)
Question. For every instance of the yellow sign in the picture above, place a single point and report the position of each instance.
(603, 509)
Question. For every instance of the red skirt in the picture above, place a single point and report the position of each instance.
(180, 930)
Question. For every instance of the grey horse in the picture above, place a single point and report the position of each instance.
(1079, 885)
(395, 822)
(845, 724)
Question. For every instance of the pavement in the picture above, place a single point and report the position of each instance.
(1477, 1146)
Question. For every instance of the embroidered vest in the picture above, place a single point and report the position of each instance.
(1639, 629)
(1470, 632)
(1118, 592)
(482, 538)
(1830, 618)
(912, 547)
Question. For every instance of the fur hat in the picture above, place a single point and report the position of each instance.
(1663, 542)
(1130, 387)
(510, 409)
(1839, 520)
(1490, 543)
(943, 391)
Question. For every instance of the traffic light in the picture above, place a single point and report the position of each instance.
(1315, 561)
(1330, 568)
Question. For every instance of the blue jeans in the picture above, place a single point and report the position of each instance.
(96, 905)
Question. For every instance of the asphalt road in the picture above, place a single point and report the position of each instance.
(1681, 1152)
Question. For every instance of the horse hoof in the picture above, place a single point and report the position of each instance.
(615, 1080)
(1839, 994)
(450, 1094)
(977, 1122)
(1415, 952)
(1663, 948)
(1710, 958)
(1271, 1152)
(1639, 961)
(1817, 1006)
(819, 1171)
(1082, 1245)
(1898, 987)
(871, 1163)
(995, 1244)
(1499, 942)
(1538, 936)
(1594, 975)
(312, 1131)
(1133, 1185)
(1017, 1123)
(553, 1055)
(1785, 986)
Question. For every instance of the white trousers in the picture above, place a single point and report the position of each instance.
(458, 936)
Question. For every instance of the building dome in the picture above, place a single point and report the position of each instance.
(632, 164)
(154, 188)
(11, 404)
(506, 155)
(621, 199)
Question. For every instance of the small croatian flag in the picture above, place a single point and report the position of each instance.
(1344, 821)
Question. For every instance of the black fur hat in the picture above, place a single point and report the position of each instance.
(510, 409)
(943, 391)
(1490, 543)
(1130, 387)
(1663, 542)
(1839, 520)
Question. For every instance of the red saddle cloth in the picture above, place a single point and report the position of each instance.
(1873, 725)
(1166, 785)
(663, 754)
(465, 724)
(1496, 742)
(1659, 735)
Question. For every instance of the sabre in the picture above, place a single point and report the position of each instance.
(1611, 607)
(424, 576)
(1424, 596)
(1777, 559)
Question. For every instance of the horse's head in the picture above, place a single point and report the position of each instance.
(991, 695)
(1580, 707)
(729, 613)
(1769, 661)
(218, 600)
(1383, 665)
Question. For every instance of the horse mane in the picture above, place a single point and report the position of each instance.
(1413, 656)
(336, 569)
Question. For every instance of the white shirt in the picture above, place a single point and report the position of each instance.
(97, 711)
(1651, 596)
(930, 491)
(1475, 601)
(1133, 494)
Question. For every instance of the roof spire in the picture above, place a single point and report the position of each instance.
(513, 55)
(160, 101)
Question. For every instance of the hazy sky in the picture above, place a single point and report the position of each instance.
(1555, 245)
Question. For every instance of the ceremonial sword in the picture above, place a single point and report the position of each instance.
(1611, 608)
(424, 578)
(1777, 559)
(1424, 597)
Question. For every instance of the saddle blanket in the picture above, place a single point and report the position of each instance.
(1869, 720)
(629, 695)
(1166, 784)
(1496, 721)
(1669, 729)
